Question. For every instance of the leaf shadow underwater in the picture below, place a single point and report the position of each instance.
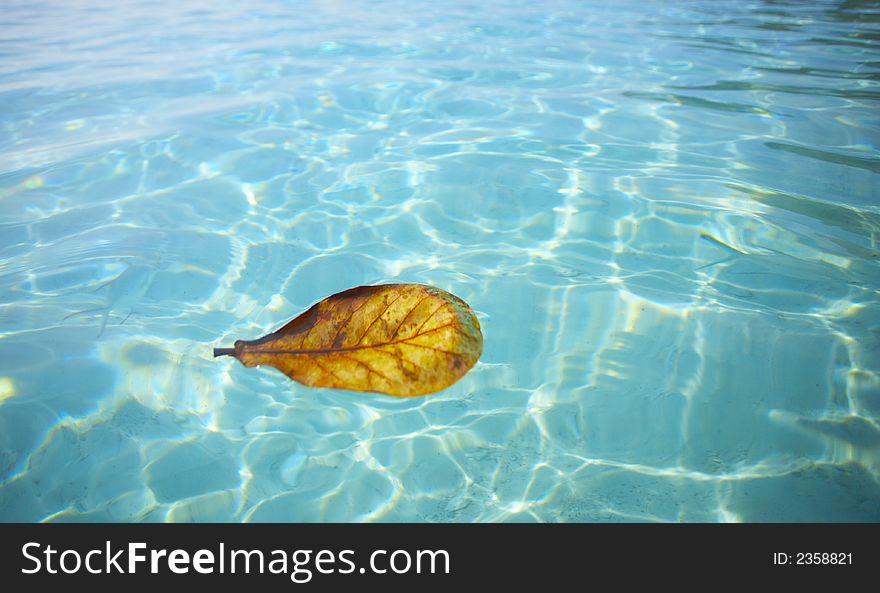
(122, 294)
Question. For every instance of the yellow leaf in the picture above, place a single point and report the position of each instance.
(399, 339)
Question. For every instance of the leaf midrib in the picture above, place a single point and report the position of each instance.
(361, 347)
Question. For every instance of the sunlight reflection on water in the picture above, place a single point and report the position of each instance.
(673, 255)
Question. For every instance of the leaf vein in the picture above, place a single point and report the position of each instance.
(303, 352)
(402, 321)
(347, 319)
(400, 360)
(368, 367)
(329, 372)
(378, 317)
(434, 312)
(451, 353)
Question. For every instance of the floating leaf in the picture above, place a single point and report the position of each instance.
(399, 339)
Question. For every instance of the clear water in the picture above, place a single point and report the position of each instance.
(664, 213)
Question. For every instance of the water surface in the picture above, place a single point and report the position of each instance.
(664, 213)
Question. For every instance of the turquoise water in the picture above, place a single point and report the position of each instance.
(664, 214)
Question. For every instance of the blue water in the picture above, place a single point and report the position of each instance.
(664, 214)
